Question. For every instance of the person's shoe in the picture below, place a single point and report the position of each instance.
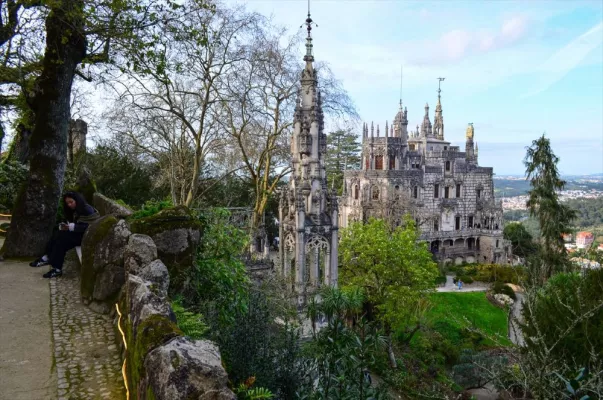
(38, 263)
(53, 273)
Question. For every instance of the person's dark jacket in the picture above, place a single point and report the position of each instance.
(85, 217)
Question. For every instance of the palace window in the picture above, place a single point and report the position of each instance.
(367, 163)
(447, 165)
(411, 147)
(471, 222)
(375, 194)
(457, 223)
(392, 163)
(356, 192)
(458, 190)
(479, 193)
(446, 192)
(435, 226)
(379, 162)
(436, 191)
(415, 192)
(497, 244)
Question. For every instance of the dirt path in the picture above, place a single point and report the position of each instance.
(26, 362)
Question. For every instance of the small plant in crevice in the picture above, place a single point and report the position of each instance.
(189, 322)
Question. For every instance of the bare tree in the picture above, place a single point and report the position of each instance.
(168, 112)
(257, 105)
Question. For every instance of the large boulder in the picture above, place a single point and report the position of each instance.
(140, 251)
(176, 233)
(106, 206)
(103, 273)
(185, 369)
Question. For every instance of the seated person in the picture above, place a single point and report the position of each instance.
(78, 214)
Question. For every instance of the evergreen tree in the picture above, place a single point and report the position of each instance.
(343, 152)
(543, 203)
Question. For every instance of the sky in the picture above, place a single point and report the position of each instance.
(515, 69)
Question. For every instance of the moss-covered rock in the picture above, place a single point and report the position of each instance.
(176, 233)
(103, 274)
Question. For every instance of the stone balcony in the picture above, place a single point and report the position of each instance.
(460, 234)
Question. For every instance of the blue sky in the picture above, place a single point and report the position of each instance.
(515, 69)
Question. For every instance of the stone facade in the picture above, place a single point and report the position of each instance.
(443, 188)
(308, 210)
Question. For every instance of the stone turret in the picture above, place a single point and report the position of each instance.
(400, 125)
(426, 129)
(438, 126)
(470, 154)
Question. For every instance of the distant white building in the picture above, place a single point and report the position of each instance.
(584, 239)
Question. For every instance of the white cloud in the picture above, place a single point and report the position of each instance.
(513, 28)
(566, 59)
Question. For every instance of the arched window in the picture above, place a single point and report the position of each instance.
(375, 193)
(356, 192)
(415, 192)
(447, 165)
(392, 162)
(378, 162)
(366, 163)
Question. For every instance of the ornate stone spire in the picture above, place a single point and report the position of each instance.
(470, 131)
(438, 126)
(470, 154)
(426, 125)
(377, 130)
(372, 129)
(309, 57)
(386, 129)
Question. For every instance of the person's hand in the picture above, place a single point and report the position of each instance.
(63, 227)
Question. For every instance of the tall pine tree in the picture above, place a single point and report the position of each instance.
(543, 203)
(343, 152)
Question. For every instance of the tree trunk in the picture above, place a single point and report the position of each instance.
(37, 202)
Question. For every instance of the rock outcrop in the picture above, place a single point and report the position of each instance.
(170, 366)
(103, 273)
(106, 206)
(176, 233)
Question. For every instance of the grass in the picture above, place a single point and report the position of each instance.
(452, 313)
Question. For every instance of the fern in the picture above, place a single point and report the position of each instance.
(189, 322)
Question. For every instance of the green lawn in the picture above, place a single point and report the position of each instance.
(452, 312)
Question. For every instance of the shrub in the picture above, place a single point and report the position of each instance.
(152, 207)
(465, 278)
(501, 288)
(440, 280)
(12, 175)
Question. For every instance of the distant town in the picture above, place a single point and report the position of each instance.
(512, 190)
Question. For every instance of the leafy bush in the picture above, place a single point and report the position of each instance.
(440, 280)
(151, 207)
(501, 288)
(12, 175)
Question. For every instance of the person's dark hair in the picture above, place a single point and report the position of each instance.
(80, 205)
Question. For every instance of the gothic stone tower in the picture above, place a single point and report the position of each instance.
(308, 211)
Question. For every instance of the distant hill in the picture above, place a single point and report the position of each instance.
(509, 186)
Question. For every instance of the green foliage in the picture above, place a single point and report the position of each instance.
(254, 345)
(393, 268)
(589, 211)
(520, 238)
(573, 386)
(189, 322)
(490, 272)
(12, 176)
(246, 393)
(458, 316)
(440, 280)
(475, 369)
(343, 152)
(565, 317)
(501, 288)
(151, 207)
(343, 351)
(218, 282)
(121, 176)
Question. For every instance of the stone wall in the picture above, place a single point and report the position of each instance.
(122, 274)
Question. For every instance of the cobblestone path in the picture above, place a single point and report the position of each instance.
(88, 363)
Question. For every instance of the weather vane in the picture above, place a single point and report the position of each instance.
(439, 82)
